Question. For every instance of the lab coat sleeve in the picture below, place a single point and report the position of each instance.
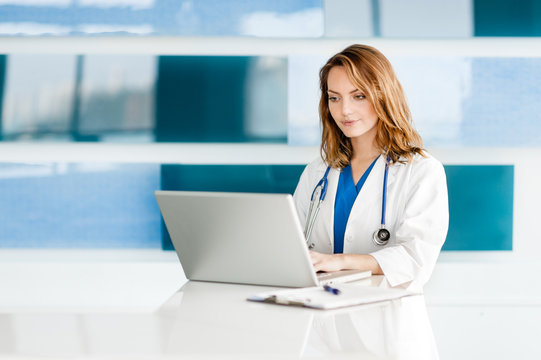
(421, 230)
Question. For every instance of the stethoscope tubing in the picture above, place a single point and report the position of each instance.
(319, 193)
(384, 199)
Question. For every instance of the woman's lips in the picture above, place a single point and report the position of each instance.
(349, 122)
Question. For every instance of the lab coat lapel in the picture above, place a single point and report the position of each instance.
(369, 198)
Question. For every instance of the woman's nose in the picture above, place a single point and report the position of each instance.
(346, 107)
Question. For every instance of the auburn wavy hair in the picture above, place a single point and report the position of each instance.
(371, 73)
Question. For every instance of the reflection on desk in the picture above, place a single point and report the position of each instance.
(212, 320)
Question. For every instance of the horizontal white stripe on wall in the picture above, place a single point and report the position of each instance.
(471, 47)
(232, 153)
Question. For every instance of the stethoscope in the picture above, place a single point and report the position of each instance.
(380, 237)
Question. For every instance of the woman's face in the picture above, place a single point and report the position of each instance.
(350, 109)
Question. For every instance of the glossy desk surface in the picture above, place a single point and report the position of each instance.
(214, 321)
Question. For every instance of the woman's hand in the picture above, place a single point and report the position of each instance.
(327, 262)
(337, 262)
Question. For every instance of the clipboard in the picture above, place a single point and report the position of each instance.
(319, 298)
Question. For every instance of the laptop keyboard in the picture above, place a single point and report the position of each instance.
(324, 275)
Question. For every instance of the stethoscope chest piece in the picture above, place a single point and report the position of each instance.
(381, 237)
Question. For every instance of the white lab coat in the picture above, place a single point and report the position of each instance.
(417, 215)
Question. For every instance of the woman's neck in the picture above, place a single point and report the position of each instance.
(364, 149)
(364, 153)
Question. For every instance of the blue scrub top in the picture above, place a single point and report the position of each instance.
(346, 193)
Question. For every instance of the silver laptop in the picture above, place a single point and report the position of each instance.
(242, 238)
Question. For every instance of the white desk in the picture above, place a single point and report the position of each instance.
(214, 321)
(71, 301)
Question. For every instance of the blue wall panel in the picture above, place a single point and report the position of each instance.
(113, 205)
(79, 206)
(158, 17)
(502, 106)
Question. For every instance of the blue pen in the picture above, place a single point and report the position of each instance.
(331, 290)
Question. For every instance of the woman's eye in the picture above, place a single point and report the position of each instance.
(333, 98)
(360, 97)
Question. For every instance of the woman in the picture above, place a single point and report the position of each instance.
(370, 150)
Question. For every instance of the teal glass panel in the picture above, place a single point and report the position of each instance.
(197, 98)
(221, 99)
(507, 17)
(229, 178)
(480, 207)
